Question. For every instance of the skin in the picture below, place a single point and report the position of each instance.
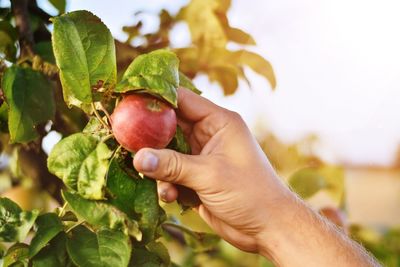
(243, 199)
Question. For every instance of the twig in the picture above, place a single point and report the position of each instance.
(105, 112)
(61, 213)
(20, 10)
(35, 9)
(117, 101)
(96, 113)
(174, 233)
(107, 137)
(181, 228)
(75, 225)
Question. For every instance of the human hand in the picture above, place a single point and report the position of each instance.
(238, 188)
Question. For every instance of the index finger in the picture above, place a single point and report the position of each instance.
(193, 107)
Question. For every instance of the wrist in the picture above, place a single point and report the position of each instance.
(278, 230)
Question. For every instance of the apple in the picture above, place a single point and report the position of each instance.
(142, 120)
(336, 216)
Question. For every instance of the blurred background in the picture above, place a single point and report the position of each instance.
(329, 126)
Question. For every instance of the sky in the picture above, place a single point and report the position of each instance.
(337, 65)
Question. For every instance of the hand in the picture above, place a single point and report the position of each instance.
(243, 200)
(238, 188)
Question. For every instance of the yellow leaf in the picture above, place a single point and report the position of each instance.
(257, 63)
(189, 60)
(239, 36)
(242, 58)
(226, 76)
(223, 5)
(204, 25)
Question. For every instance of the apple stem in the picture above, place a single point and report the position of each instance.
(96, 113)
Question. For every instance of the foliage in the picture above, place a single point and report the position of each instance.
(208, 53)
(68, 81)
(384, 245)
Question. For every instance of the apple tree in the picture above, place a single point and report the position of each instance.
(68, 81)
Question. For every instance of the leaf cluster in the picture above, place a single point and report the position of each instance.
(209, 51)
(111, 214)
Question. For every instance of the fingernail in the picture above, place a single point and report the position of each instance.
(149, 162)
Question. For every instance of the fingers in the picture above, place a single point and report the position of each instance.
(193, 107)
(227, 232)
(167, 191)
(169, 166)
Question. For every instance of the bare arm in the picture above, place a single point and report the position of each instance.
(303, 236)
(243, 199)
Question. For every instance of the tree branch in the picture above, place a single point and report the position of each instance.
(20, 10)
(35, 9)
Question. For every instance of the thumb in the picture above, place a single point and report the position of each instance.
(168, 165)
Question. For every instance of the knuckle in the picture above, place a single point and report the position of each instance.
(235, 116)
(236, 119)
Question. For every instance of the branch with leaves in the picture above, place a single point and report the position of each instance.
(69, 84)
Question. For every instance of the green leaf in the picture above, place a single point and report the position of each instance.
(59, 5)
(65, 160)
(48, 226)
(95, 128)
(91, 179)
(85, 54)
(4, 117)
(45, 51)
(102, 214)
(179, 142)
(17, 255)
(199, 242)
(146, 205)
(135, 196)
(30, 99)
(184, 81)
(307, 182)
(15, 223)
(54, 254)
(82, 163)
(187, 198)
(161, 251)
(142, 257)
(155, 73)
(8, 37)
(68, 216)
(104, 248)
(334, 178)
(122, 187)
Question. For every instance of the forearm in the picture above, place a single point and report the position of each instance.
(301, 237)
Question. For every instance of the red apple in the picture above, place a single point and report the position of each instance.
(141, 120)
(335, 215)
